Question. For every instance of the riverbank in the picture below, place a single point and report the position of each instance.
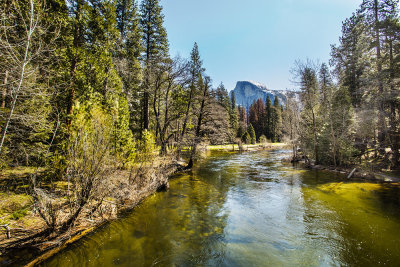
(354, 172)
(245, 147)
(22, 227)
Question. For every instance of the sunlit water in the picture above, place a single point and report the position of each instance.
(251, 210)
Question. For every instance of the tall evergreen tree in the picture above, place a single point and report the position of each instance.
(233, 114)
(155, 42)
(375, 12)
(277, 121)
(257, 116)
(127, 56)
(350, 58)
(268, 119)
(308, 82)
(222, 96)
(196, 70)
(252, 134)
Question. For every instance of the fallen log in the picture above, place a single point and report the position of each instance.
(351, 173)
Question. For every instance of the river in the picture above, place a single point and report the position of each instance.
(250, 209)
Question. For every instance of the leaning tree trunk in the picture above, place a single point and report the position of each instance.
(15, 93)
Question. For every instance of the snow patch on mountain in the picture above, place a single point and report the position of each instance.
(246, 92)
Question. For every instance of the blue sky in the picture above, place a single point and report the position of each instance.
(255, 40)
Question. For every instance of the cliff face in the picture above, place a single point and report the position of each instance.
(246, 92)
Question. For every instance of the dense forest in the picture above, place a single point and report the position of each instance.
(349, 110)
(88, 88)
(349, 114)
(70, 67)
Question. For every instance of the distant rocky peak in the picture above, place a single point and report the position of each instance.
(246, 92)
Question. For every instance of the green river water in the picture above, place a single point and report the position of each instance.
(251, 210)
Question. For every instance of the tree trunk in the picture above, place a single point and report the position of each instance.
(198, 128)
(4, 94)
(394, 135)
(315, 138)
(381, 116)
(74, 61)
(24, 63)
(146, 111)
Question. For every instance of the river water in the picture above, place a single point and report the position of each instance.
(251, 210)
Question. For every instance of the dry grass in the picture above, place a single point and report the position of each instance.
(250, 147)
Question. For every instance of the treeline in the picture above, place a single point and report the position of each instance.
(262, 122)
(350, 113)
(67, 65)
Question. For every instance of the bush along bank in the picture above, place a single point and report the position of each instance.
(119, 191)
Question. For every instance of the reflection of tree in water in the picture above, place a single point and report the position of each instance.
(185, 225)
(354, 223)
(203, 220)
(389, 199)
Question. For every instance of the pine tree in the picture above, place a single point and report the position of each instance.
(155, 42)
(277, 120)
(233, 115)
(222, 96)
(76, 54)
(127, 56)
(391, 31)
(268, 119)
(327, 137)
(246, 138)
(308, 81)
(196, 70)
(233, 101)
(325, 81)
(252, 134)
(242, 126)
(257, 116)
(350, 57)
(342, 120)
(375, 12)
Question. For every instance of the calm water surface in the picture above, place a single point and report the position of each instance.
(251, 210)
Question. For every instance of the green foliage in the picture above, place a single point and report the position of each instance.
(31, 126)
(89, 123)
(263, 139)
(127, 58)
(146, 147)
(154, 35)
(16, 215)
(268, 119)
(241, 131)
(277, 121)
(252, 134)
(246, 138)
(123, 144)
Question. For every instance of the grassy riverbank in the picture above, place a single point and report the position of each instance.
(23, 226)
(249, 147)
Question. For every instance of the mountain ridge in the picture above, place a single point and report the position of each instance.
(246, 92)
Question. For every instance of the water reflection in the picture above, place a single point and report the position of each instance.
(251, 210)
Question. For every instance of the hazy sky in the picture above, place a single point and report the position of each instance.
(255, 39)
